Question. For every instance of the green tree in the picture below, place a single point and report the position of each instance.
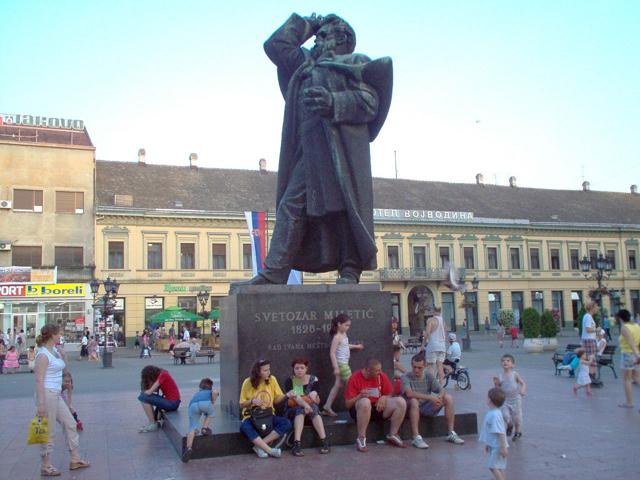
(548, 326)
(506, 318)
(531, 323)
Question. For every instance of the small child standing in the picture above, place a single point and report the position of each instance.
(201, 404)
(67, 396)
(583, 380)
(494, 436)
(31, 358)
(398, 369)
(340, 352)
(514, 336)
(514, 389)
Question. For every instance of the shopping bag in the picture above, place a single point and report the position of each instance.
(38, 430)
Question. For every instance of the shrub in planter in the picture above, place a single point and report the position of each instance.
(531, 323)
(506, 318)
(548, 326)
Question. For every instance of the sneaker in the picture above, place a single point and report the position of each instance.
(395, 441)
(186, 456)
(324, 446)
(260, 452)
(454, 438)
(296, 450)
(275, 453)
(418, 442)
(152, 427)
(516, 436)
(361, 445)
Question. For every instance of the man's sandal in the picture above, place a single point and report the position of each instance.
(78, 464)
(50, 471)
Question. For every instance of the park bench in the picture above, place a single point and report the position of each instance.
(606, 360)
(413, 344)
(181, 354)
(558, 356)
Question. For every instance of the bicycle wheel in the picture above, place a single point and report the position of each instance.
(464, 383)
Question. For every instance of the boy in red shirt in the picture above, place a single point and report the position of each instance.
(514, 336)
(368, 395)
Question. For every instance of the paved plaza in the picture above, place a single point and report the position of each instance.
(564, 436)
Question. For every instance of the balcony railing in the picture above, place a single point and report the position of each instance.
(404, 274)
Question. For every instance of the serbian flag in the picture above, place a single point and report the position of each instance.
(257, 223)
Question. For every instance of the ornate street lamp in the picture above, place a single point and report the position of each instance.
(466, 341)
(203, 298)
(599, 271)
(106, 303)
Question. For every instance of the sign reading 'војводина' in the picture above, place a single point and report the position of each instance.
(40, 121)
(420, 215)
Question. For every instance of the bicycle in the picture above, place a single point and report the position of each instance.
(460, 375)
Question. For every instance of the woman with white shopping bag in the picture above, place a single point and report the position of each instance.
(49, 365)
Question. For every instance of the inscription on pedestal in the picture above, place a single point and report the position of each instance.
(280, 323)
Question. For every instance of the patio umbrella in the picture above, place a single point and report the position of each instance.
(175, 314)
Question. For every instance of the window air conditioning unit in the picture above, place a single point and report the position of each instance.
(5, 204)
(5, 247)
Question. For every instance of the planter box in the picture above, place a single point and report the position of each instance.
(533, 345)
(550, 344)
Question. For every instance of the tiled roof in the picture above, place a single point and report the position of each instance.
(229, 190)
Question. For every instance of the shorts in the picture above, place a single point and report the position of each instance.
(376, 416)
(293, 412)
(495, 460)
(196, 410)
(628, 361)
(590, 346)
(433, 357)
(345, 371)
(512, 411)
(427, 409)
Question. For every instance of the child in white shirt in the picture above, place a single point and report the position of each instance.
(494, 434)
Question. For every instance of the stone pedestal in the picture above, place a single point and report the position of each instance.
(282, 322)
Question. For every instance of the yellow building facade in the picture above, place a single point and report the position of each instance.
(164, 255)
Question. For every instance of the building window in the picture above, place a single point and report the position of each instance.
(444, 257)
(537, 301)
(70, 202)
(68, 257)
(492, 258)
(247, 256)
(632, 260)
(393, 256)
(449, 310)
(27, 200)
(611, 256)
(555, 258)
(396, 311)
(534, 257)
(515, 258)
(219, 256)
(116, 255)
(558, 304)
(419, 258)
(26, 256)
(593, 257)
(154, 256)
(187, 256)
(575, 259)
(190, 304)
(469, 258)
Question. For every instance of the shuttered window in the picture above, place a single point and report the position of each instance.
(68, 256)
(70, 202)
(30, 200)
(219, 256)
(26, 256)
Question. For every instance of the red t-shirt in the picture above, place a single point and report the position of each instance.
(168, 386)
(378, 385)
(514, 332)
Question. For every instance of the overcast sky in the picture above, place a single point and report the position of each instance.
(547, 91)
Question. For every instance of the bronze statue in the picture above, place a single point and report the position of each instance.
(335, 104)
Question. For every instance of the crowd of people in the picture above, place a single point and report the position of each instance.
(269, 415)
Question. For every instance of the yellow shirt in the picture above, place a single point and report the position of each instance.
(634, 329)
(265, 392)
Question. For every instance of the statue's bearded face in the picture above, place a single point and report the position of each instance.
(329, 39)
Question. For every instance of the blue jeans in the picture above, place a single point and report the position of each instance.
(281, 425)
(196, 410)
(159, 401)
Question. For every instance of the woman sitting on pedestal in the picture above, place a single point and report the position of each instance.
(154, 380)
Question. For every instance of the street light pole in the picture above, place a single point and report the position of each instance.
(203, 298)
(106, 304)
(466, 341)
(599, 272)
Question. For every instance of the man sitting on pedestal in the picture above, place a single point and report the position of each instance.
(368, 396)
(426, 398)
